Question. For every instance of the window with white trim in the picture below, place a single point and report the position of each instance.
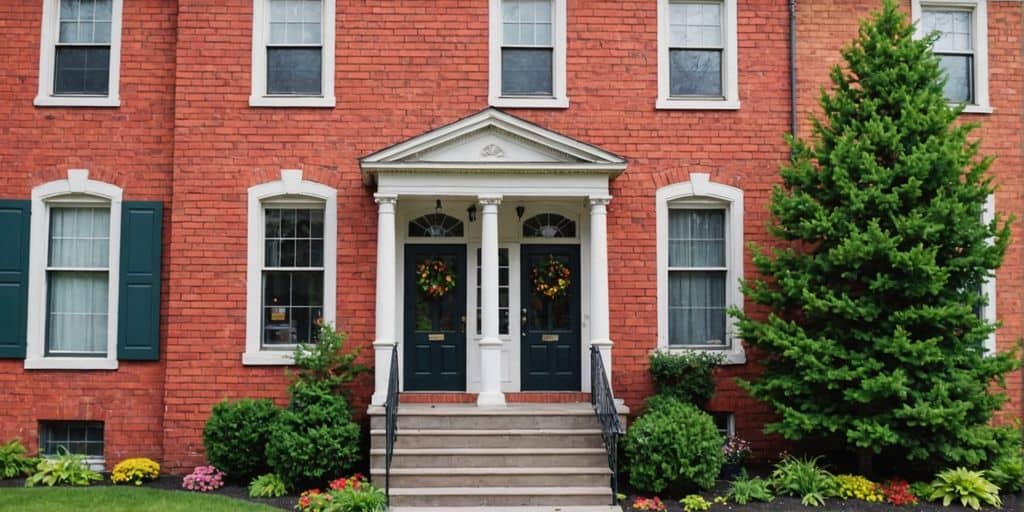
(292, 255)
(80, 53)
(503, 292)
(293, 53)
(961, 44)
(725, 422)
(700, 263)
(527, 67)
(697, 54)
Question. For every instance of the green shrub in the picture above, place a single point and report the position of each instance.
(65, 469)
(325, 363)
(694, 503)
(805, 479)
(13, 462)
(314, 438)
(745, 489)
(267, 486)
(687, 376)
(236, 437)
(1006, 468)
(970, 487)
(673, 445)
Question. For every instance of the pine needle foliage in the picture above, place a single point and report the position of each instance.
(873, 342)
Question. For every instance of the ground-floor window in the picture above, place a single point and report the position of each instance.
(77, 437)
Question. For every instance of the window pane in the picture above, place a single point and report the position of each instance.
(696, 238)
(82, 70)
(293, 237)
(78, 437)
(695, 72)
(503, 292)
(954, 28)
(294, 71)
(697, 308)
(526, 71)
(77, 313)
(292, 306)
(85, 21)
(527, 22)
(958, 71)
(79, 237)
(695, 25)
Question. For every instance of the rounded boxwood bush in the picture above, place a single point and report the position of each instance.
(236, 437)
(314, 439)
(675, 446)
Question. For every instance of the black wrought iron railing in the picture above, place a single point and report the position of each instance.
(607, 416)
(390, 420)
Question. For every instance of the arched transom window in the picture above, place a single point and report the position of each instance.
(435, 225)
(549, 225)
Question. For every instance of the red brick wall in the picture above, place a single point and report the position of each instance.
(131, 147)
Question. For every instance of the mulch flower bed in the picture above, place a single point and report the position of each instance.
(1011, 503)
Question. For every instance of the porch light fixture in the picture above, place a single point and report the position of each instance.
(437, 206)
(520, 210)
(471, 212)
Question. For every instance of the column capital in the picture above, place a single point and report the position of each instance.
(489, 199)
(599, 200)
(383, 199)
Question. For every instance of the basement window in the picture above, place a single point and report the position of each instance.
(76, 437)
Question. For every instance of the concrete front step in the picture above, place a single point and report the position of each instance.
(493, 438)
(490, 457)
(538, 508)
(494, 477)
(500, 496)
(471, 417)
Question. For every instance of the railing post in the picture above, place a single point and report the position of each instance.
(390, 421)
(607, 415)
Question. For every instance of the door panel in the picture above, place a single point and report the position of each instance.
(435, 327)
(550, 325)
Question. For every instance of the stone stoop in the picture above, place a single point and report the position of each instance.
(522, 457)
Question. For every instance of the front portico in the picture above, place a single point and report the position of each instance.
(492, 198)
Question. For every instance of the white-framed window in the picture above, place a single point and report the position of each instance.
(700, 262)
(527, 53)
(80, 53)
(291, 276)
(725, 422)
(697, 55)
(76, 437)
(74, 254)
(504, 293)
(962, 47)
(293, 53)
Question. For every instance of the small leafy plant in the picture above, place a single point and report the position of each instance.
(858, 488)
(694, 503)
(688, 376)
(805, 479)
(745, 490)
(65, 469)
(314, 501)
(653, 504)
(267, 486)
(736, 450)
(921, 490)
(135, 471)
(1007, 473)
(970, 487)
(898, 492)
(13, 462)
(204, 479)
(355, 494)
(323, 362)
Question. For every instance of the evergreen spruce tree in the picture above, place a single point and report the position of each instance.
(872, 342)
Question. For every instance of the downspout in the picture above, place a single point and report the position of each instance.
(792, 67)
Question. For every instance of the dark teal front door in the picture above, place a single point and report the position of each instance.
(435, 325)
(551, 321)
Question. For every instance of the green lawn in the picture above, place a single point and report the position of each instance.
(118, 499)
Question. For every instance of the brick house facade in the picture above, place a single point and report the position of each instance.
(189, 126)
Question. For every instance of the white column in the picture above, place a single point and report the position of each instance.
(384, 339)
(490, 344)
(599, 332)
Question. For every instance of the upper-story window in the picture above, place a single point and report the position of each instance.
(697, 54)
(293, 53)
(527, 53)
(961, 44)
(80, 53)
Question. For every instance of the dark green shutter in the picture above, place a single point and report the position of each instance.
(14, 228)
(138, 328)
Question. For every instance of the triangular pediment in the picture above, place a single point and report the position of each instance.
(493, 140)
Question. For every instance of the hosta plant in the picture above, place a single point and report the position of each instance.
(969, 487)
(267, 486)
(805, 479)
(13, 462)
(858, 488)
(745, 490)
(65, 469)
(135, 471)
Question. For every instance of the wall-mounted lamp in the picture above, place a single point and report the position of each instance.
(471, 211)
(437, 206)
(520, 210)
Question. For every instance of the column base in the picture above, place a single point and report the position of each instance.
(490, 399)
(382, 350)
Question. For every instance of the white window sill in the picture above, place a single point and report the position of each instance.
(77, 101)
(975, 109)
(681, 104)
(293, 101)
(523, 102)
(733, 356)
(71, 363)
(268, 358)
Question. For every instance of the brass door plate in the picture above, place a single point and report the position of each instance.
(549, 337)
(439, 336)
